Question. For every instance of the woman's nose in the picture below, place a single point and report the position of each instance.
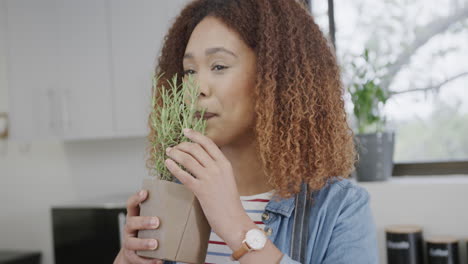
(203, 86)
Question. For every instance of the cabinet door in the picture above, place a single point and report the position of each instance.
(31, 44)
(137, 32)
(83, 69)
(84, 72)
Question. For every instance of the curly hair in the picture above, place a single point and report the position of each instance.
(300, 120)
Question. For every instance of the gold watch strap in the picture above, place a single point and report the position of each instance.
(240, 252)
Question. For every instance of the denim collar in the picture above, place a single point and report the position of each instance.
(283, 206)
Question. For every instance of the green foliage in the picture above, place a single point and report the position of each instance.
(169, 118)
(367, 95)
(440, 136)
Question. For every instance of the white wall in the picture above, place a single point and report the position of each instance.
(3, 80)
(35, 177)
(437, 204)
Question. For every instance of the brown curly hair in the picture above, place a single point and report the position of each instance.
(301, 127)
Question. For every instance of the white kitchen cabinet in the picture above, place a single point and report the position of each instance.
(82, 69)
(137, 32)
(85, 74)
(31, 37)
(59, 69)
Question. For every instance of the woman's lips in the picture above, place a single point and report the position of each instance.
(207, 115)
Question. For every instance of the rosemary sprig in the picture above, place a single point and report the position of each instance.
(176, 112)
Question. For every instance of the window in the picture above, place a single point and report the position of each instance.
(421, 49)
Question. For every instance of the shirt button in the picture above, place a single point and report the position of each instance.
(265, 216)
(268, 231)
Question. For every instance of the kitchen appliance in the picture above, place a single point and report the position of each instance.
(88, 231)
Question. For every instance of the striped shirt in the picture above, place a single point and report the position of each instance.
(254, 205)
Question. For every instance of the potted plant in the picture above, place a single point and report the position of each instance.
(375, 144)
(184, 230)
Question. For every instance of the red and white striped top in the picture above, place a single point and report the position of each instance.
(218, 252)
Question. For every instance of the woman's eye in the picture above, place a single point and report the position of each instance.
(188, 72)
(216, 67)
(219, 67)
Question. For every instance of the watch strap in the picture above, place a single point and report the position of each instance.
(241, 251)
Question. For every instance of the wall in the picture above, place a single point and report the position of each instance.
(37, 176)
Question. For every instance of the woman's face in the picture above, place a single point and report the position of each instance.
(225, 68)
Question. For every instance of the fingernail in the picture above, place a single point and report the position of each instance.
(186, 131)
(152, 244)
(168, 149)
(142, 193)
(154, 222)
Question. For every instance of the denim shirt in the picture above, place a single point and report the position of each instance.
(341, 226)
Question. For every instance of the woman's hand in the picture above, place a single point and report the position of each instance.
(214, 184)
(134, 222)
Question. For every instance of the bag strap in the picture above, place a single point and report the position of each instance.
(300, 225)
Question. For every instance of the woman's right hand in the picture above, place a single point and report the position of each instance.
(135, 222)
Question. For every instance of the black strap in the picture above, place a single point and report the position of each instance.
(300, 225)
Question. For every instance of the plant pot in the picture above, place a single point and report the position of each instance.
(184, 231)
(375, 156)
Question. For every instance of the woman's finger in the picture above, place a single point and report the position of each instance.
(134, 243)
(135, 259)
(210, 147)
(186, 160)
(184, 177)
(133, 203)
(197, 152)
(135, 223)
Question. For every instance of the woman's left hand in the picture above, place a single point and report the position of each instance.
(214, 184)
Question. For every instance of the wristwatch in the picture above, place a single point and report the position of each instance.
(255, 239)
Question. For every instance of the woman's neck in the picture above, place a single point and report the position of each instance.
(247, 167)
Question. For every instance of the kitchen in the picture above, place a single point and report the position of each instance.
(74, 82)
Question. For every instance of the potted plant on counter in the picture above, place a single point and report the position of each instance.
(184, 229)
(375, 144)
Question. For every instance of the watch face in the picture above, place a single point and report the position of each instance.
(256, 239)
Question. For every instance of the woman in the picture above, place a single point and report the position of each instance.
(273, 88)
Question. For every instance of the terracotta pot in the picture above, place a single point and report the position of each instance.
(184, 231)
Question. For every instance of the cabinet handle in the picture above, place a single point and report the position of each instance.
(66, 110)
(4, 126)
(51, 94)
(122, 219)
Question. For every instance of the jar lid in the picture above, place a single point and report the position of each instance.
(403, 229)
(442, 239)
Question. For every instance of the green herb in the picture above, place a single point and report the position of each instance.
(367, 95)
(175, 112)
